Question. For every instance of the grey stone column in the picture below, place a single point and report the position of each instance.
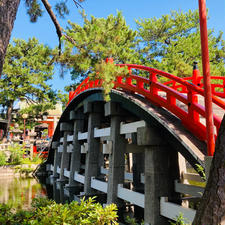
(161, 167)
(66, 128)
(156, 174)
(92, 168)
(55, 145)
(117, 157)
(156, 183)
(78, 118)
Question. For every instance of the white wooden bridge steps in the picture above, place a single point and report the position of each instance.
(94, 157)
(66, 128)
(78, 118)
(117, 157)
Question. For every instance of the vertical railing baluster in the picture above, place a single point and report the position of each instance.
(153, 81)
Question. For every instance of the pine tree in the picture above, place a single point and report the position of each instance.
(172, 43)
(24, 77)
(96, 40)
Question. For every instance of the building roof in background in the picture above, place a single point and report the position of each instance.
(57, 111)
(53, 112)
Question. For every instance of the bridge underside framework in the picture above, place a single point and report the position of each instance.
(126, 151)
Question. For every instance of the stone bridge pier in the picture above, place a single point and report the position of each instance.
(122, 153)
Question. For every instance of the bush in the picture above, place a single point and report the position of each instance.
(47, 212)
(16, 154)
(2, 158)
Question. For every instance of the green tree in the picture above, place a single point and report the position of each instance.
(96, 40)
(25, 73)
(8, 11)
(172, 43)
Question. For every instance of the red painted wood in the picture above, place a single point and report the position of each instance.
(185, 90)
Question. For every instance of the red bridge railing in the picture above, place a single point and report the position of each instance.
(180, 96)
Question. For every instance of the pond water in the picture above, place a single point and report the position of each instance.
(19, 192)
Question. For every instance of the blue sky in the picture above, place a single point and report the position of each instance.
(44, 29)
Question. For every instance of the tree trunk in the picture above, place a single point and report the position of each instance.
(8, 10)
(212, 207)
(9, 117)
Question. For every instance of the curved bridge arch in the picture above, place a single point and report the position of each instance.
(159, 121)
(170, 126)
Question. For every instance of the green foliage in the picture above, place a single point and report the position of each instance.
(2, 158)
(16, 154)
(26, 171)
(25, 74)
(38, 203)
(132, 221)
(179, 220)
(8, 217)
(35, 11)
(96, 40)
(108, 72)
(34, 160)
(63, 98)
(172, 43)
(201, 170)
(47, 212)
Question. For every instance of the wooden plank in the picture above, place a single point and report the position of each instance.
(77, 198)
(60, 148)
(104, 132)
(142, 178)
(48, 167)
(78, 177)
(99, 185)
(70, 148)
(127, 176)
(82, 136)
(104, 170)
(192, 190)
(58, 169)
(131, 196)
(66, 192)
(66, 173)
(107, 148)
(69, 138)
(172, 211)
(131, 127)
(193, 176)
(84, 148)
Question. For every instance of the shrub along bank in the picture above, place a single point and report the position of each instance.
(48, 212)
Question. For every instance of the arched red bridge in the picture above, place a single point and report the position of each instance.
(181, 96)
(135, 149)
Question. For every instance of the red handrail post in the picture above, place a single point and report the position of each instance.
(206, 78)
(109, 60)
(195, 74)
(192, 96)
(153, 80)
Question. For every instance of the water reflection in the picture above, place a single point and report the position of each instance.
(19, 192)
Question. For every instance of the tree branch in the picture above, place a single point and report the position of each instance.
(77, 4)
(56, 23)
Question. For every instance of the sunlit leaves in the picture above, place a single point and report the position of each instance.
(25, 75)
(172, 43)
(96, 40)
